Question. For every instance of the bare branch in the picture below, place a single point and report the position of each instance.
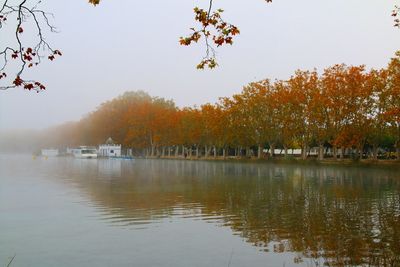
(4, 6)
(17, 32)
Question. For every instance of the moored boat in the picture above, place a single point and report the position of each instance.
(85, 152)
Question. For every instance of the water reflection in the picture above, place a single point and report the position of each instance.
(334, 215)
(109, 168)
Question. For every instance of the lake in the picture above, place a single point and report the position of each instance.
(108, 212)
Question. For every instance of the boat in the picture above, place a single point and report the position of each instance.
(123, 157)
(85, 152)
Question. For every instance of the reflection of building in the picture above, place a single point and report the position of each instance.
(109, 168)
(109, 149)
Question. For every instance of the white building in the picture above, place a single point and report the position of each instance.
(50, 152)
(109, 149)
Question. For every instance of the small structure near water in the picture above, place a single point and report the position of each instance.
(110, 149)
(84, 152)
(50, 152)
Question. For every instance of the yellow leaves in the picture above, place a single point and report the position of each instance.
(210, 63)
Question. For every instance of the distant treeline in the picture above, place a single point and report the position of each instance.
(345, 107)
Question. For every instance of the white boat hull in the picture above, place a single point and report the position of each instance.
(86, 156)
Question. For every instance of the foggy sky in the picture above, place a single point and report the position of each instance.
(125, 45)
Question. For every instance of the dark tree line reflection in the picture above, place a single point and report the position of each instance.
(339, 216)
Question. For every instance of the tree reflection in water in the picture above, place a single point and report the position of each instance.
(338, 216)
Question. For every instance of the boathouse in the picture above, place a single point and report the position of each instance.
(109, 149)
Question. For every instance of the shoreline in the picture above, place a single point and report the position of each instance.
(280, 160)
(391, 163)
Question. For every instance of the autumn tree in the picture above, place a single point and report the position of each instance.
(303, 87)
(239, 122)
(392, 97)
(190, 129)
(110, 118)
(218, 127)
(211, 127)
(259, 113)
(356, 109)
(148, 124)
(318, 116)
(286, 119)
(377, 130)
(333, 86)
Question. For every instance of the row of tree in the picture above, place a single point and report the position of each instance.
(344, 107)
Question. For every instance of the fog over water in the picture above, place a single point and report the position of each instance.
(133, 45)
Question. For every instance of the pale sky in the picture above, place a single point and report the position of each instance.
(124, 45)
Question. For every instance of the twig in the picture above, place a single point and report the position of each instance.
(8, 265)
(230, 259)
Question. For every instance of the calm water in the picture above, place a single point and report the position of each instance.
(74, 212)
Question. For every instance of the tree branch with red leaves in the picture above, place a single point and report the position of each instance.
(215, 32)
(26, 55)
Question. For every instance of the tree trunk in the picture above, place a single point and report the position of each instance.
(398, 142)
(197, 152)
(272, 148)
(176, 151)
(215, 152)
(224, 153)
(304, 151)
(285, 151)
(357, 154)
(163, 152)
(205, 151)
(152, 151)
(342, 152)
(321, 152)
(361, 149)
(248, 154)
(375, 151)
(259, 151)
